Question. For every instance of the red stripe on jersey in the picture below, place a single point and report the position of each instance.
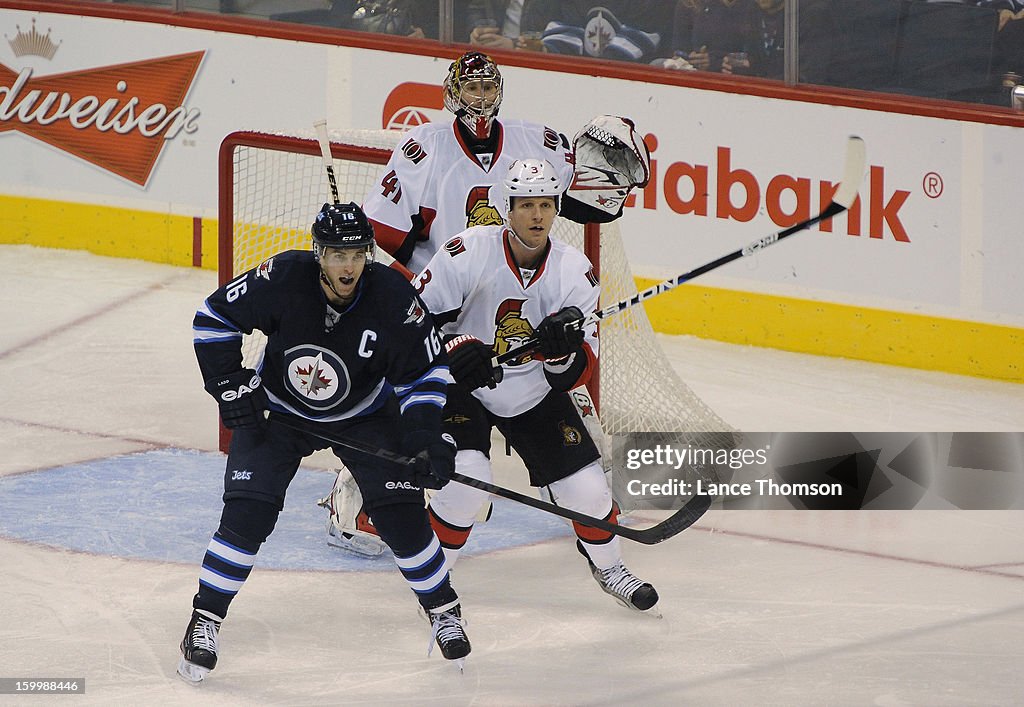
(593, 535)
(406, 272)
(388, 237)
(471, 155)
(510, 259)
(428, 215)
(451, 536)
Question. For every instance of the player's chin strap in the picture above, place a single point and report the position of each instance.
(520, 241)
(327, 281)
(673, 525)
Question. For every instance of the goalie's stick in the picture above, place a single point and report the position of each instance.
(853, 174)
(673, 525)
(325, 151)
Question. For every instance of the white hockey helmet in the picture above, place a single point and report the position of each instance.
(532, 177)
(471, 71)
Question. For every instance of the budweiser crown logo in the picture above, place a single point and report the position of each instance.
(33, 43)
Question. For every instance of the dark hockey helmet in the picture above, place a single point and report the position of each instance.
(342, 226)
(461, 94)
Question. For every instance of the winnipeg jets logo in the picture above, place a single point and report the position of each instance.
(599, 33)
(312, 379)
(415, 314)
(316, 376)
(264, 268)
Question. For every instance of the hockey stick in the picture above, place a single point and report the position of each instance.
(846, 193)
(325, 151)
(673, 525)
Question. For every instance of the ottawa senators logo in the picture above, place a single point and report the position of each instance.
(413, 151)
(570, 435)
(455, 246)
(511, 330)
(479, 211)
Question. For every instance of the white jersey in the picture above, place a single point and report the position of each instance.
(475, 275)
(434, 182)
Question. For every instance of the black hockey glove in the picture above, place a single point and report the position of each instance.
(241, 398)
(469, 361)
(434, 460)
(560, 334)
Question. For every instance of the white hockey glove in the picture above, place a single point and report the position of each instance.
(611, 159)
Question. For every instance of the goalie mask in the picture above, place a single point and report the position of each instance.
(342, 226)
(532, 178)
(472, 91)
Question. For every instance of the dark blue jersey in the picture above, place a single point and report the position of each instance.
(322, 364)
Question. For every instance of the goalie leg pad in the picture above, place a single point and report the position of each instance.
(348, 525)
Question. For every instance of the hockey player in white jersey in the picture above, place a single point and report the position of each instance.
(491, 288)
(445, 177)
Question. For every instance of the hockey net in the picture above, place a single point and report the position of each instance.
(271, 187)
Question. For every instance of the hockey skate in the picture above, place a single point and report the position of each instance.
(198, 649)
(629, 590)
(448, 630)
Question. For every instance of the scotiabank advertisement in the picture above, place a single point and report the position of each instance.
(131, 114)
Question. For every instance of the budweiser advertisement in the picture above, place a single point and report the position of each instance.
(116, 117)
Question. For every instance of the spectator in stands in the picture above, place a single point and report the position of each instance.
(747, 37)
(407, 18)
(504, 24)
(704, 31)
(1008, 53)
(626, 30)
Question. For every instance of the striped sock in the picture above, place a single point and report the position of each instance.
(225, 569)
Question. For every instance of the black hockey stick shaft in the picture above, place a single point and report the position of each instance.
(673, 525)
(325, 151)
(846, 193)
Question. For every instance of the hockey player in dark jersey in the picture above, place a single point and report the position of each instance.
(351, 352)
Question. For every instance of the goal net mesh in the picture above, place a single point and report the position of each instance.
(273, 185)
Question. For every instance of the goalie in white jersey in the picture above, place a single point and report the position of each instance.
(492, 288)
(445, 177)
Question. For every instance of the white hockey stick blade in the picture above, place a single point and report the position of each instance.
(853, 173)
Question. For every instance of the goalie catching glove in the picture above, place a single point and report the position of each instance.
(469, 362)
(560, 334)
(433, 458)
(241, 398)
(611, 159)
